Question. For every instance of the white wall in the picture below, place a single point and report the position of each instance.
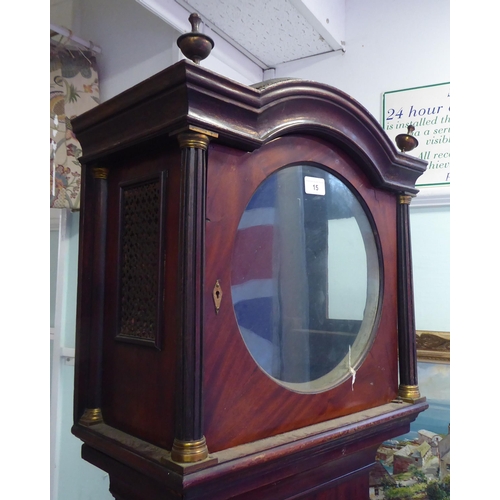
(135, 43)
(390, 45)
(430, 236)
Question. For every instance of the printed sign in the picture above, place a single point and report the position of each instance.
(428, 110)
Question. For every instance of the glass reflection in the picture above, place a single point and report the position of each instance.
(305, 279)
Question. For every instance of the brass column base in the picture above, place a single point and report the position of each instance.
(186, 452)
(90, 417)
(410, 393)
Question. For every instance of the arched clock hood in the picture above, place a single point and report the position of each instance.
(247, 117)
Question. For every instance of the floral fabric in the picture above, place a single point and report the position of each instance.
(74, 89)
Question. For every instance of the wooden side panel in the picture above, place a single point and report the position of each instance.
(140, 326)
(242, 403)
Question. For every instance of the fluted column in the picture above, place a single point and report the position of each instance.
(189, 443)
(408, 377)
(92, 414)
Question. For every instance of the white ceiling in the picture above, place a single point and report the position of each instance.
(269, 32)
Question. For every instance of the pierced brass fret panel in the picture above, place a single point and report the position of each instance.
(140, 262)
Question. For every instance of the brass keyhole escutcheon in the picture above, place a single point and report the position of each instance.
(217, 295)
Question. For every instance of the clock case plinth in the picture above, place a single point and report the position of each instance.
(163, 407)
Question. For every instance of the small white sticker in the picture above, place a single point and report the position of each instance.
(314, 185)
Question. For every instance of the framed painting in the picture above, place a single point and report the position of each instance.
(417, 464)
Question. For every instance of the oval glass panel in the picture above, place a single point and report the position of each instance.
(305, 279)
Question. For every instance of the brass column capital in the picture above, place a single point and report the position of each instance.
(195, 137)
(405, 199)
(193, 140)
(100, 172)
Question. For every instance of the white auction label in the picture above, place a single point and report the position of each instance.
(314, 185)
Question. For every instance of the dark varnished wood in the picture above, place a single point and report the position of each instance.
(196, 377)
(189, 418)
(245, 117)
(83, 389)
(332, 459)
(406, 312)
(99, 248)
(139, 380)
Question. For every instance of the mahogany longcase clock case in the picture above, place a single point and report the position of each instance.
(245, 306)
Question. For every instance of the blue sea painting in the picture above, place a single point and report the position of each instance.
(435, 419)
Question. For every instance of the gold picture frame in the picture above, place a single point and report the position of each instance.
(433, 346)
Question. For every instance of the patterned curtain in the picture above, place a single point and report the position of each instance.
(74, 89)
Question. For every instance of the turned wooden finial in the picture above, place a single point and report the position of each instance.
(406, 142)
(195, 45)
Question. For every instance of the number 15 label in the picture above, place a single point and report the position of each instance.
(314, 185)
